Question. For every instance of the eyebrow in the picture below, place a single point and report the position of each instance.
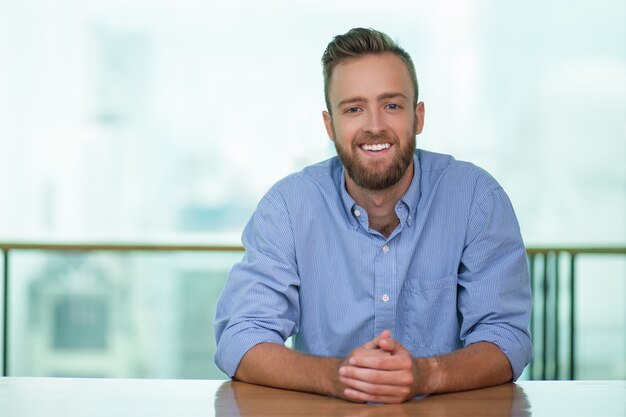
(386, 96)
(351, 101)
(381, 97)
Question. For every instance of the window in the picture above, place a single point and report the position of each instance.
(164, 121)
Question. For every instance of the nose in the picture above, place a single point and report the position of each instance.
(375, 123)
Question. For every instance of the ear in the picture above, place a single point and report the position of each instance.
(328, 124)
(419, 117)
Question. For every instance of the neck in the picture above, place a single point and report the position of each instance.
(380, 204)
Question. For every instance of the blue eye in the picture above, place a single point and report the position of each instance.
(352, 110)
(393, 106)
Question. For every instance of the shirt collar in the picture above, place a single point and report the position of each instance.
(412, 195)
(348, 202)
(409, 199)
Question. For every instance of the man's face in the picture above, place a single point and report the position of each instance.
(373, 123)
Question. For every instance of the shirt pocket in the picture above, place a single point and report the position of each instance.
(428, 309)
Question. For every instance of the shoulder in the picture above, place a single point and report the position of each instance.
(321, 178)
(446, 172)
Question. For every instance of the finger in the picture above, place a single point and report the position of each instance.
(358, 396)
(391, 345)
(374, 343)
(375, 389)
(403, 377)
(384, 362)
(355, 356)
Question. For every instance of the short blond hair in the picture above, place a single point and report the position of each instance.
(359, 42)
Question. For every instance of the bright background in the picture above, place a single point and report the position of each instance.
(166, 121)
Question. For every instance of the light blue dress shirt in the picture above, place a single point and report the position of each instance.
(454, 272)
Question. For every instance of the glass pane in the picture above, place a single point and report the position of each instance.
(2, 307)
(601, 316)
(111, 314)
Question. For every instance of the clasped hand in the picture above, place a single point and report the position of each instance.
(382, 370)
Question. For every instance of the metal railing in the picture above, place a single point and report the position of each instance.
(547, 281)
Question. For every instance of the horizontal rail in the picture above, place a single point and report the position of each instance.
(143, 247)
(172, 247)
(597, 250)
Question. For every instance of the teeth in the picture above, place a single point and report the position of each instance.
(377, 147)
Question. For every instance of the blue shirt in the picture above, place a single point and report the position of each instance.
(454, 271)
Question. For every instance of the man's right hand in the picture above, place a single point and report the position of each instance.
(381, 370)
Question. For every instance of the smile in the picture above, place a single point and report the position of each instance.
(377, 147)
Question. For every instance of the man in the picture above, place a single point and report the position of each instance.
(398, 272)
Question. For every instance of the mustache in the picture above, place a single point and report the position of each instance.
(367, 138)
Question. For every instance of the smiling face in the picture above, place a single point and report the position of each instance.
(373, 122)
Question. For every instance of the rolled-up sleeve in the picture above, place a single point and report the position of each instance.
(494, 299)
(259, 303)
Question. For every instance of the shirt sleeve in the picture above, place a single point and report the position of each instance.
(260, 302)
(494, 298)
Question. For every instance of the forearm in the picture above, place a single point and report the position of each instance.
(479, 365)
(277, 366)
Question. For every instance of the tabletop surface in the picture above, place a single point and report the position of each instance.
(67, 397)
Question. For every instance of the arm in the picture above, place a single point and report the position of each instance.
(280, 367)
(277, 366)
(494, 296)
(494, 303)
(382, 370)
(479, 365)
(260, 308)
(259, 304)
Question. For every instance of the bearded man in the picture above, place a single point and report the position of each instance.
(398, 272)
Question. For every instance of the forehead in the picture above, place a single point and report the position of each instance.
(370, 76)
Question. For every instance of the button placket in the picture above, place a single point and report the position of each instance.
(385, 285)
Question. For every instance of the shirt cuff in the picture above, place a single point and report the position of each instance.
(518, 352)
(235, 343)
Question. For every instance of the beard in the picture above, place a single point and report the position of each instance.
(377, 176)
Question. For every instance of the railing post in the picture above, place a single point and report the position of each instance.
(572, 315)
(531, 268)
(557, 333)
(5, 313)
(544, 338)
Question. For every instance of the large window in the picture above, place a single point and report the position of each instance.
(141, 120)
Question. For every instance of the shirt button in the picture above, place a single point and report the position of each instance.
(385, 248)
(357, 212)
(385, 297)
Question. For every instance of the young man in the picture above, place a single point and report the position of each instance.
(398, 272)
